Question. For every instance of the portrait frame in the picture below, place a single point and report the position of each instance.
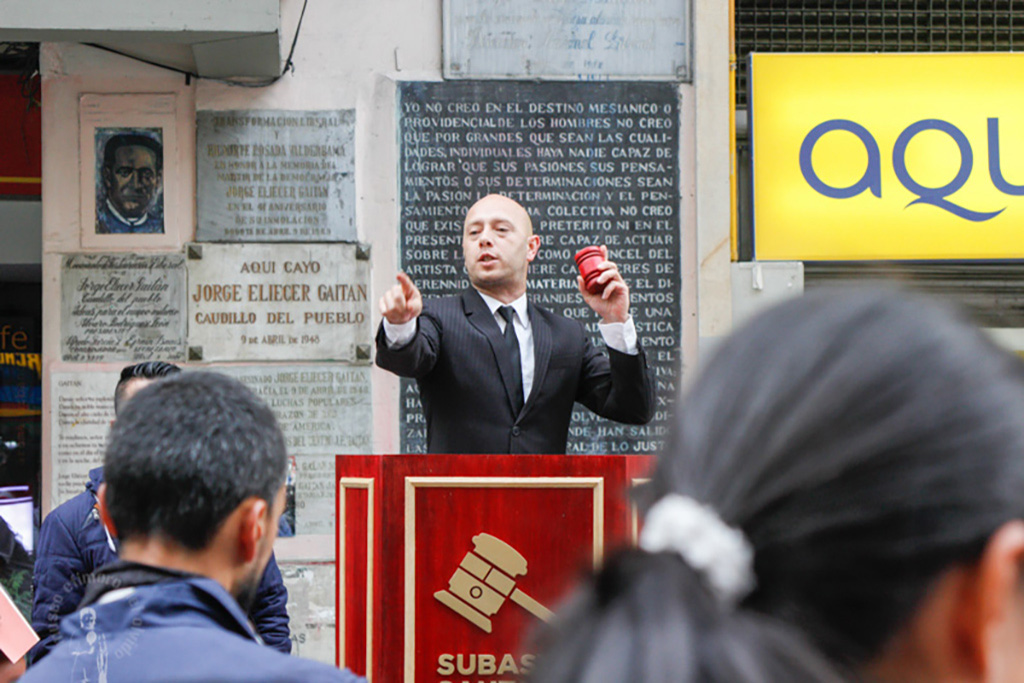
(150, 115)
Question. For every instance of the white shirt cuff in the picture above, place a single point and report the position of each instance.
(397, 335)
(618, 336)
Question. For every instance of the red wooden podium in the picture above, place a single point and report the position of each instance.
(444, 562)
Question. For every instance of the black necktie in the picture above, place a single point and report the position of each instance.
(513, 347)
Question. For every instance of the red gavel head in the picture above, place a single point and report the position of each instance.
(587, 260)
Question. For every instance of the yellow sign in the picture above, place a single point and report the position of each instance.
(888, 156)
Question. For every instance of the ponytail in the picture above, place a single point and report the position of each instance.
(650, 617)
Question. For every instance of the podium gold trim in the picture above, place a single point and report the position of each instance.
(345, 483)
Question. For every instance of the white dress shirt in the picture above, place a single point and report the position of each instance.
(618, 336)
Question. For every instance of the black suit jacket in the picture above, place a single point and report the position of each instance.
(464, 371)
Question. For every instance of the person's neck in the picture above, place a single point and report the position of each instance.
(504, 294)
(169, 555)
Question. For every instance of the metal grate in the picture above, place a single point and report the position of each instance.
(874, 26)
(993, 293)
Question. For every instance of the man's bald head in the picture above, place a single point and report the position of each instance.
(498, 203)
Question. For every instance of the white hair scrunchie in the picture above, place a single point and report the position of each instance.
(720, 553)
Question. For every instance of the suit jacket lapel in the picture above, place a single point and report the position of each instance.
(480, 317)
(542, 345)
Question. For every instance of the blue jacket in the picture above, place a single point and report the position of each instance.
(73, 543)
(141, 623)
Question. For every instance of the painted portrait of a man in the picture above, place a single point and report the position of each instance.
(129, 181)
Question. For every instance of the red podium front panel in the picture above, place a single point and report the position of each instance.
(446, 562)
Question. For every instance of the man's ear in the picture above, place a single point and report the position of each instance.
(252, 526)
(533, 247)
(101, 506)
(987, 621)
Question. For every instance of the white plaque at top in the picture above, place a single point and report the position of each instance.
(567, 39)
(278, 302)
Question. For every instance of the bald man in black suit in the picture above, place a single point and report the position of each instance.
(490, 389)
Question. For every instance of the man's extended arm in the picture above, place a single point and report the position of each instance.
(617, 386)
(408, 341)
(416, 356)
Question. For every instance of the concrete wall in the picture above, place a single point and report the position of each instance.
(712, 131)
(350, 56)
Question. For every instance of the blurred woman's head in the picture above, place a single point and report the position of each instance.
(845, 477)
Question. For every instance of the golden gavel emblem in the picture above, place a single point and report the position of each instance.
(484, 579)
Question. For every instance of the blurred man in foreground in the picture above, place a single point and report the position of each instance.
(73, 543)
(195, 471)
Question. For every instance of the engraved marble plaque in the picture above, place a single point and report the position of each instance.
(81, 410)
(275, 176)
(122, 307)
(593, 163)
(278, 302)
(323, 410)
(311, 608)
(568, 39)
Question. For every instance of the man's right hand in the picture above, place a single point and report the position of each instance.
(401, 303)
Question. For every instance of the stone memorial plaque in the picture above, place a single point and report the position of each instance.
(81, 410)
(323, 410)
(275, 176)
(311, 608)
(569, 39)
(122, 307)
(593, 163)
(278, 302)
